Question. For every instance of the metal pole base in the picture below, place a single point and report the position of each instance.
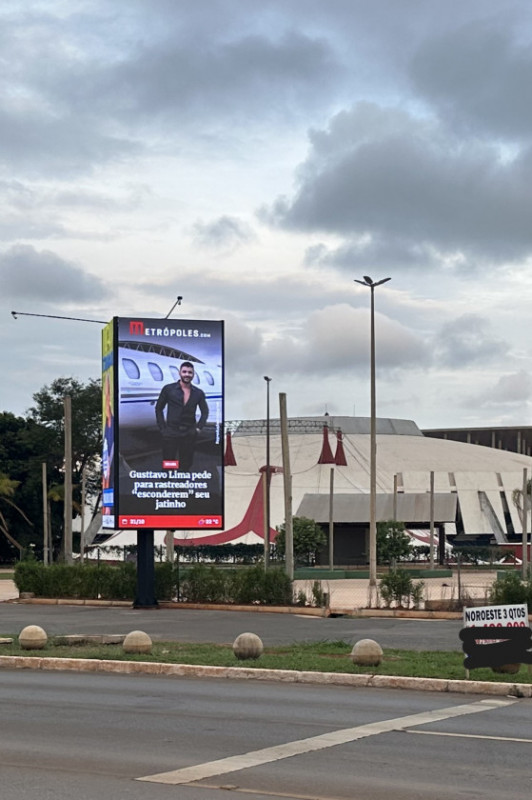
(145, 596)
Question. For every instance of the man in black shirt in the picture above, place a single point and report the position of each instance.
(180, 428)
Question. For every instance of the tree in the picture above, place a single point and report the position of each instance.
(308, 538)
(86, 400)
(7, 491)
(24, 445)
(393, 543)
(48, 411)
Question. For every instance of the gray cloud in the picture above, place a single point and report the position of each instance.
(509, 396)
(514, 388)
(226, 232)
(468, 340)
(26, 273)
(386, 253)
(479, 77)
(417, 186)
(336, 339)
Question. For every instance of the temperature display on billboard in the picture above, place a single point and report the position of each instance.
(167, 388)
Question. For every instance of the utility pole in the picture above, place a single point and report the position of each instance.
(46, 552)
(67, 519)
(287, 482)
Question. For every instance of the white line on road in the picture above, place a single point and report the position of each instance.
(301, 746)
(474, 736)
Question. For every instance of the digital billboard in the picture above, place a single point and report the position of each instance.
(167, 384)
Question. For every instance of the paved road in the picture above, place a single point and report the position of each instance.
(69, 735)
(189, 625)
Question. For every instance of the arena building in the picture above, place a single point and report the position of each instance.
(473, 490)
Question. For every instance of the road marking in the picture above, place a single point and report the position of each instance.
(474, 736)
(269, 754)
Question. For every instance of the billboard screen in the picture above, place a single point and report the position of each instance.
(168, 424)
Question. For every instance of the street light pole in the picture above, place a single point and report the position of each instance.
(369, 282)
(267, 499)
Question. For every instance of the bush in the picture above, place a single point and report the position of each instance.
(77, 581)
(165, 581)
(399, 588)
(510, 589)
(204, 584)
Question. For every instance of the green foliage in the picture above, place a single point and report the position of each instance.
(164, 581)
(221, 553)
(509, 589)
(318, 595)
(301, 599)
(256, 585)
(204, 584)
(86, 402)
(24, 445)
(77, 581)
(399, 588)
(200, 583)
(27, 443)
(308, 538)
(393, 543)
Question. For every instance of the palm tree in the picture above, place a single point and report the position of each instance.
(7, 491)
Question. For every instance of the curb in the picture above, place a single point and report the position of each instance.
(306, 611)
(302, 611)
(283, 676)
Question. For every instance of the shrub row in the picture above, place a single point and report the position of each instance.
(76, 581)
(199, 583)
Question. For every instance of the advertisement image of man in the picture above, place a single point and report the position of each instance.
(180, 427)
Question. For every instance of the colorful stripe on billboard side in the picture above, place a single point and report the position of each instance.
(108, 426)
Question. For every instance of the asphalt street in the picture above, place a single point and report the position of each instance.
(191, 625)
(88, 736)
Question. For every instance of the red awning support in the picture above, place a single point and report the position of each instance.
(229, 458)
(326, 456)
(339, 458)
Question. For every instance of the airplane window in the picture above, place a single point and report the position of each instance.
(156, 371)
(131, 369)
(209, 378)
(175, 373)
(196, 378)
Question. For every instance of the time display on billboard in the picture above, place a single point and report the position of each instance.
(166, 381)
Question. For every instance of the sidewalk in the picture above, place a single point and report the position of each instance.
(8, 591)
(347, 595)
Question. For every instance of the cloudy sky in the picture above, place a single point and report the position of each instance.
(257, 158)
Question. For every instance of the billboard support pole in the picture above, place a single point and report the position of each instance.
(145, 597)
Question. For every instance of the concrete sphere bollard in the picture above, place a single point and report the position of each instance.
(248, 645)
(32, 637)
(137, 642)
(366, 653)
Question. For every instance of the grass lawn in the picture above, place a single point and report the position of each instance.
(310, 656)
(7, 576)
